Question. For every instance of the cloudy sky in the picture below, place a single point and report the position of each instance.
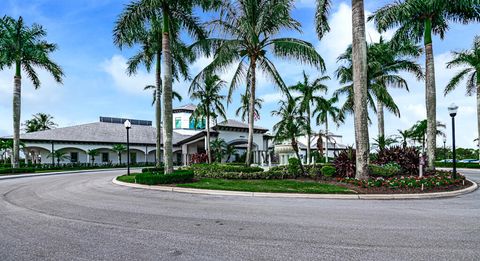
(96, 84)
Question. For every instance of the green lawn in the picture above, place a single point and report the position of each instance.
(125, 178)
(279, 186)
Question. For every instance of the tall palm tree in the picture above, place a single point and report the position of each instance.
(149, 38)
(471, 60)
(242, 111)
(210, 104)
(172, 17)
(359, 77)
(25, 48)
(292, 124)
(119, 149)
(40, 122)
(326, 107)
(248, 36)
(309, 95)
(419, 19)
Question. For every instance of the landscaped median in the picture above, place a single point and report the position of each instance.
(319, 181)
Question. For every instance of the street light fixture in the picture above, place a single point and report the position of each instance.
(452, 110)
(128, 125)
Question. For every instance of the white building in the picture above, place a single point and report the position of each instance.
(188, 140)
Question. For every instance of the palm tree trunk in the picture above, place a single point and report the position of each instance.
(320, 144)
(209, 153)
(251, 111)
(158, 109)
(326, 139)
(431, 99)
(478, 112)
(309, 134)
(17, 99)
(359, 51)
(167, 97)
(295, 148)
(381, 119)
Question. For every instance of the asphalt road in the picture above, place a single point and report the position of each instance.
(86, 217)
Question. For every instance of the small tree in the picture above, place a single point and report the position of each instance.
(218, 147)
(119, 149)
(59, 155)
(229, 151)
(93, 153)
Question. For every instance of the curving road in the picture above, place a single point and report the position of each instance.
(86, 217)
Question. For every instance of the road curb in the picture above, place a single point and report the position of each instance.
(433, 195)
(19, 176)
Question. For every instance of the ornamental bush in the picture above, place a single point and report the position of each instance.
(388, 170)
(408, 158)
(294, 166)
(178, 176)
(345, 163)
(328, 171)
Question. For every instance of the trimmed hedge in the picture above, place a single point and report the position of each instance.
(153, 170)
(207, 170)
(178, 176)
(387, 170)
(16, 170)
(459, 165)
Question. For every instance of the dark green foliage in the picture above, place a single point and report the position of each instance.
(345, 163)
(204, 170)
(153, 170)
(407, 158)
(294, 166)
(328, 171)
(387, 170)
(178, 176)
(16, 170)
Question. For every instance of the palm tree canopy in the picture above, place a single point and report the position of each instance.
(247, 31)
(119, 148)
(471, 60)
(414, 17)
(321, 17)
(384, 60)
(309, 91)
(210, 99)
(175, 95)
(325, 108)
(242, 110)
(25, 47)
(292, 122)
(39, 122)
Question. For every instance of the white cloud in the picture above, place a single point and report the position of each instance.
(305, 3)
(272, 97)
(116, 67)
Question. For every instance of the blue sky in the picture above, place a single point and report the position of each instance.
(96, 84)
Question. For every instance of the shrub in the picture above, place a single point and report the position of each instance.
(178, 176)
(199, 158)
(204, 170)
(328, 171)
(17, 170)
(408, 158)
(388, 170)
(153, 170)
(294, 166)
(345, 163)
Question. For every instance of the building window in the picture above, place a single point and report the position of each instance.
(105, 157)
(178, 123)
(73, 157)
(200, 124)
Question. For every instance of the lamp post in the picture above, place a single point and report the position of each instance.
(444, 150)
(452, 110)
(128, 125)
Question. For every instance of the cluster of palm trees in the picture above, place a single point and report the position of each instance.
(245, 33)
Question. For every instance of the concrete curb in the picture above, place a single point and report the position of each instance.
(299, 195)
(19, 176)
